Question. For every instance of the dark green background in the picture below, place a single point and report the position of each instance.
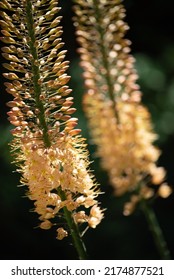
(117, 237)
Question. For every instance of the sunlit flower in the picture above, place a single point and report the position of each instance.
(95, 217)
(49, 151)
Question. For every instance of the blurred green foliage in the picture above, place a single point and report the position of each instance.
(117, 237)
(155, 78)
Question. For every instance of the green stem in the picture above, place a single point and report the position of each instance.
(77, 240)
(78, 243)
(156, 230)
(36, 72)
(104, 52)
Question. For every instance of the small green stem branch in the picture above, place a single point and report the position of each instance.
(36, 72)
(104, 52)
(154, 226)
(77, 240)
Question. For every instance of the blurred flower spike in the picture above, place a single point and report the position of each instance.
(120, 125)
(49, 151)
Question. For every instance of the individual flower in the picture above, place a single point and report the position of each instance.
(164, 190)
(61, 233)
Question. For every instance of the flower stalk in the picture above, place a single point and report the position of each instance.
(49, 151)
(126, 146)
(120, 124)
(156, 231)
(36, 72)
(77, 239)
(105, 63)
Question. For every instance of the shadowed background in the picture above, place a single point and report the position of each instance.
(117, 237)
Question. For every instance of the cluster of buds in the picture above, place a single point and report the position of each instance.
(120, 125)
(49, 151)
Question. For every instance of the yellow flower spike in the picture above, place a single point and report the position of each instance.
(119, 124)
(50, 153)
